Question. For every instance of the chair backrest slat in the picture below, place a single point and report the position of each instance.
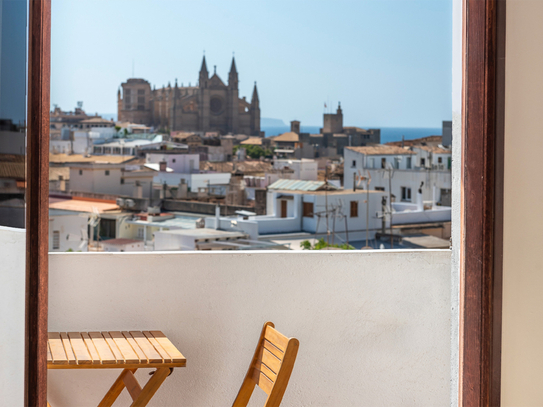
(270, 368)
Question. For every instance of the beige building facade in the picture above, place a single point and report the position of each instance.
(211, 106)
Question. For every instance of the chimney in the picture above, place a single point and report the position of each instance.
(295, 126)
(162, 166)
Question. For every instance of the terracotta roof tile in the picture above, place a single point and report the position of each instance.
(381, 149)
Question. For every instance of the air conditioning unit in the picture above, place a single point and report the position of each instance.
(120, 202)
(129, 203)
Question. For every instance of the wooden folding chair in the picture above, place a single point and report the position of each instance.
(270, 368)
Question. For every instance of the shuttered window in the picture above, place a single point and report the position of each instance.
(308, 210)
(56, 240)
(354, 209)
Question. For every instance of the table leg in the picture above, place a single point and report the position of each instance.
(116, 389)
(151, 387)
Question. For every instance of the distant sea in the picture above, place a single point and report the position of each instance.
(387, 133)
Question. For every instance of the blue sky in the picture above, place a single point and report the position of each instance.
(389, 62)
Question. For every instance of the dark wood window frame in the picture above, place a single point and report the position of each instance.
(481, 202)
(308, 209)
(354, 209)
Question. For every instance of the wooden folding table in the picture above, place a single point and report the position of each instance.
(129, 351)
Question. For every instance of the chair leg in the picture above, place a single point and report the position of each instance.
(151, 387)
(115, 389)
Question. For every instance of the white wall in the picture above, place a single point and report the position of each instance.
(409, 179)
(68, 225)
(194, 181)
(12, 316)
(303, 169)
(95, 180)
(373, 326)
(522, 353)
(179, 163)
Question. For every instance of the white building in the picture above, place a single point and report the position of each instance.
(304, 169)
(122, 245)
(295, 206)
(111, 179)
(68, 231)
(410, 168)
(179, 163)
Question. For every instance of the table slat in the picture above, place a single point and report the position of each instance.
(57, 349)
(91, 348)
(141, 355)
(125, 348)
(79, 348)
(111, 343)
(68, 348)
(168, 346)
(104, 352)
(167, 358)
(152, 355)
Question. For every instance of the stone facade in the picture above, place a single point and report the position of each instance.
(211, 106)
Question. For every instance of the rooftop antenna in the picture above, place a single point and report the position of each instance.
(389, 173)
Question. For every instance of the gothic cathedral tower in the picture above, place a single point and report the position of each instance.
(233, 98)
(203, 97)
(255, 113)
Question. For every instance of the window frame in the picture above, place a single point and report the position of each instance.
(354, 213)
(481, 202)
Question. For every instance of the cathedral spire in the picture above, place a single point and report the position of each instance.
(233, 75)
(204, 74)
(254, 100)
(203, 69)
(233, 68)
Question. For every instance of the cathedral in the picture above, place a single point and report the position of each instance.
(210, 106)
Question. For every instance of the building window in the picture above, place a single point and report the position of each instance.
(126, 92)
(397, 163)
(141, 91)
(107, 172)
(408, 164)
(56, 240)
(354, 163)
(141, 99)
(371, 163)
(173, 160)
(140, 233)
(308, 210)
(122, 181)
(80, 172)
(127, 100)
(383, 162)
(354, 209)
(380, 189)
(406, 194)
(423, 162)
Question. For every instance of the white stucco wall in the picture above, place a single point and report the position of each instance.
(12, 316)
(71, 229)
(374, 327)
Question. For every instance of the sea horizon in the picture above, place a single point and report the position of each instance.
(388, 134)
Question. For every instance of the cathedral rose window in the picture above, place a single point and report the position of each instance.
(216, 105)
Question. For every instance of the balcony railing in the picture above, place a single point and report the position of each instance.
(374, 327)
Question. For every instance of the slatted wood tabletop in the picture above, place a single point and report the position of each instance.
(112, 350)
